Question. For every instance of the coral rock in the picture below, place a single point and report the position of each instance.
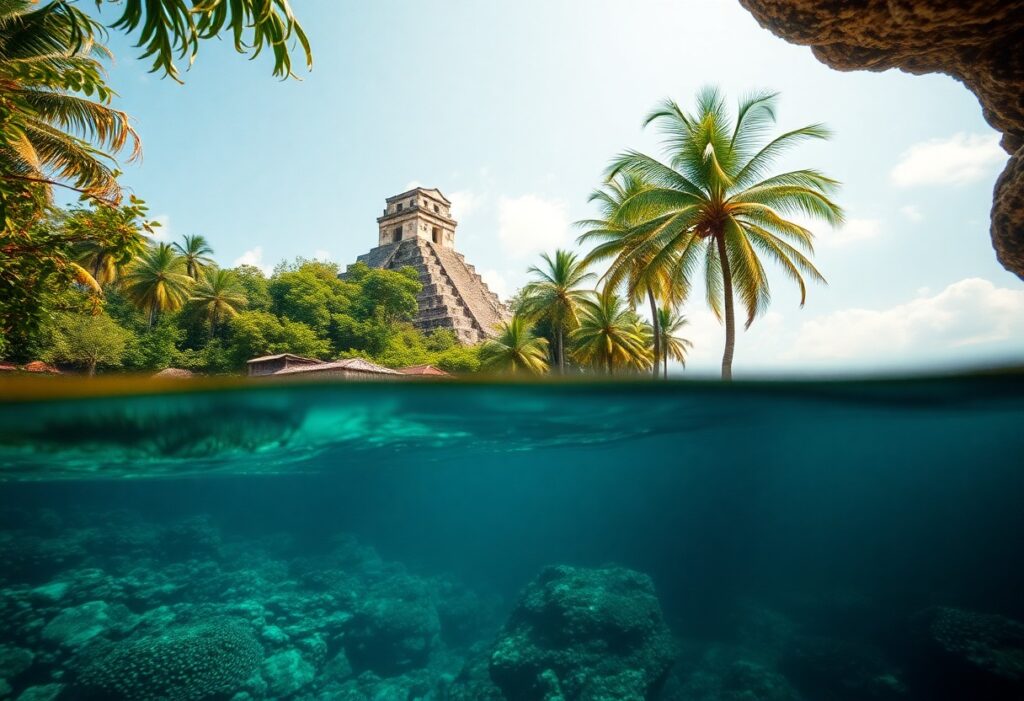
(584, 634)
(188, 663)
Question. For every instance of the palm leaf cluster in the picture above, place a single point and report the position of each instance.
(58, 128)
(713, 210)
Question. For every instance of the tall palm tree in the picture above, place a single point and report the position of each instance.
(609, 334)
(109, 238)
(515, 349)
(614, 235)
(50, 135)
(714, 198)
(555, 295)
(674, 346)
(196, 252)
(220, 295)
(157, 282)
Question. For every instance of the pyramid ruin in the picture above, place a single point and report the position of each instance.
(416, 229)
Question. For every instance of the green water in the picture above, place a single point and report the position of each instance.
(778, 541)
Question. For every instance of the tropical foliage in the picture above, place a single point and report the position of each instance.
(58, 130)
(670, 324)
(515, 349)
(144, 312)
(556, 295)
(714, 207)
(610, 335)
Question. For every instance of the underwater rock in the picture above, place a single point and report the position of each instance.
(14, 661)
(393, 627)
(286, 673)
(730, 673)
(187, 663)
(828, 669)
(980, 654)
(43, 692)
(76, 626)
(595, 633)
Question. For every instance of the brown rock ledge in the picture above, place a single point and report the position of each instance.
(978, 42)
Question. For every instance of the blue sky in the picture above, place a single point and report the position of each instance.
(514, 109)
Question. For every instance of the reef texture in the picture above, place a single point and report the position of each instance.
(978, 42)
(109, 605)
(584, 634)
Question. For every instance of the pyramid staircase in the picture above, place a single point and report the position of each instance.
(454, 296)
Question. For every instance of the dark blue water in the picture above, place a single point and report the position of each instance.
(786, 542)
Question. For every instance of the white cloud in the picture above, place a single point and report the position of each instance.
(497, 282)
(530, 224)
(254, 256)
(960, 159)
(854, 231)
(411, 185)
(464, 203)
(970, 312)
(322, 255)
(163, 231)
(912, 212)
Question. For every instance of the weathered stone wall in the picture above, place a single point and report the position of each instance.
(978, 42)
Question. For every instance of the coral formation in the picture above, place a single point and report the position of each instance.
(186, 663)
(978, 43)
(971, 653)
(584, 634)
(179, 610)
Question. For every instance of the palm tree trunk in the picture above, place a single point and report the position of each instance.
(657, 333)
(730, 317)
(92, 368)
(561, 351)
(152, 311)
(665, 360)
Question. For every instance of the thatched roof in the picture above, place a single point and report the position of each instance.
(424, 371)
(174, 372)
(352, 364)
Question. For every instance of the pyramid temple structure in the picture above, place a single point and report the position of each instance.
(416, 229)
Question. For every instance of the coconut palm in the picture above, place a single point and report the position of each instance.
(714, 199)
(196, 252)
(674, 346)
(220, 295)
(613, 234)
(555, 296)
(108, 239)
(52, 136)
(609, 334)
(156, 281)
(515, 349)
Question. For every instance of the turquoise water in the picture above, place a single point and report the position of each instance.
(692, 542)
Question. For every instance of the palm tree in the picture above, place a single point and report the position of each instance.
(610, 335)
(196, 252)
(157, 282)
(714, 196)
(108, 239)
(51, 136)
(555, 296)
(613, 231)
(515, 348)
(674, 346)
(220, 295)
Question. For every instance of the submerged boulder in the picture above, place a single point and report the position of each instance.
(584, 634)
(187, 663)
(393, 628)
(978, 653)
(73, 627)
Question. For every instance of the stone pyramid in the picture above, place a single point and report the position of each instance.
(416, 230)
